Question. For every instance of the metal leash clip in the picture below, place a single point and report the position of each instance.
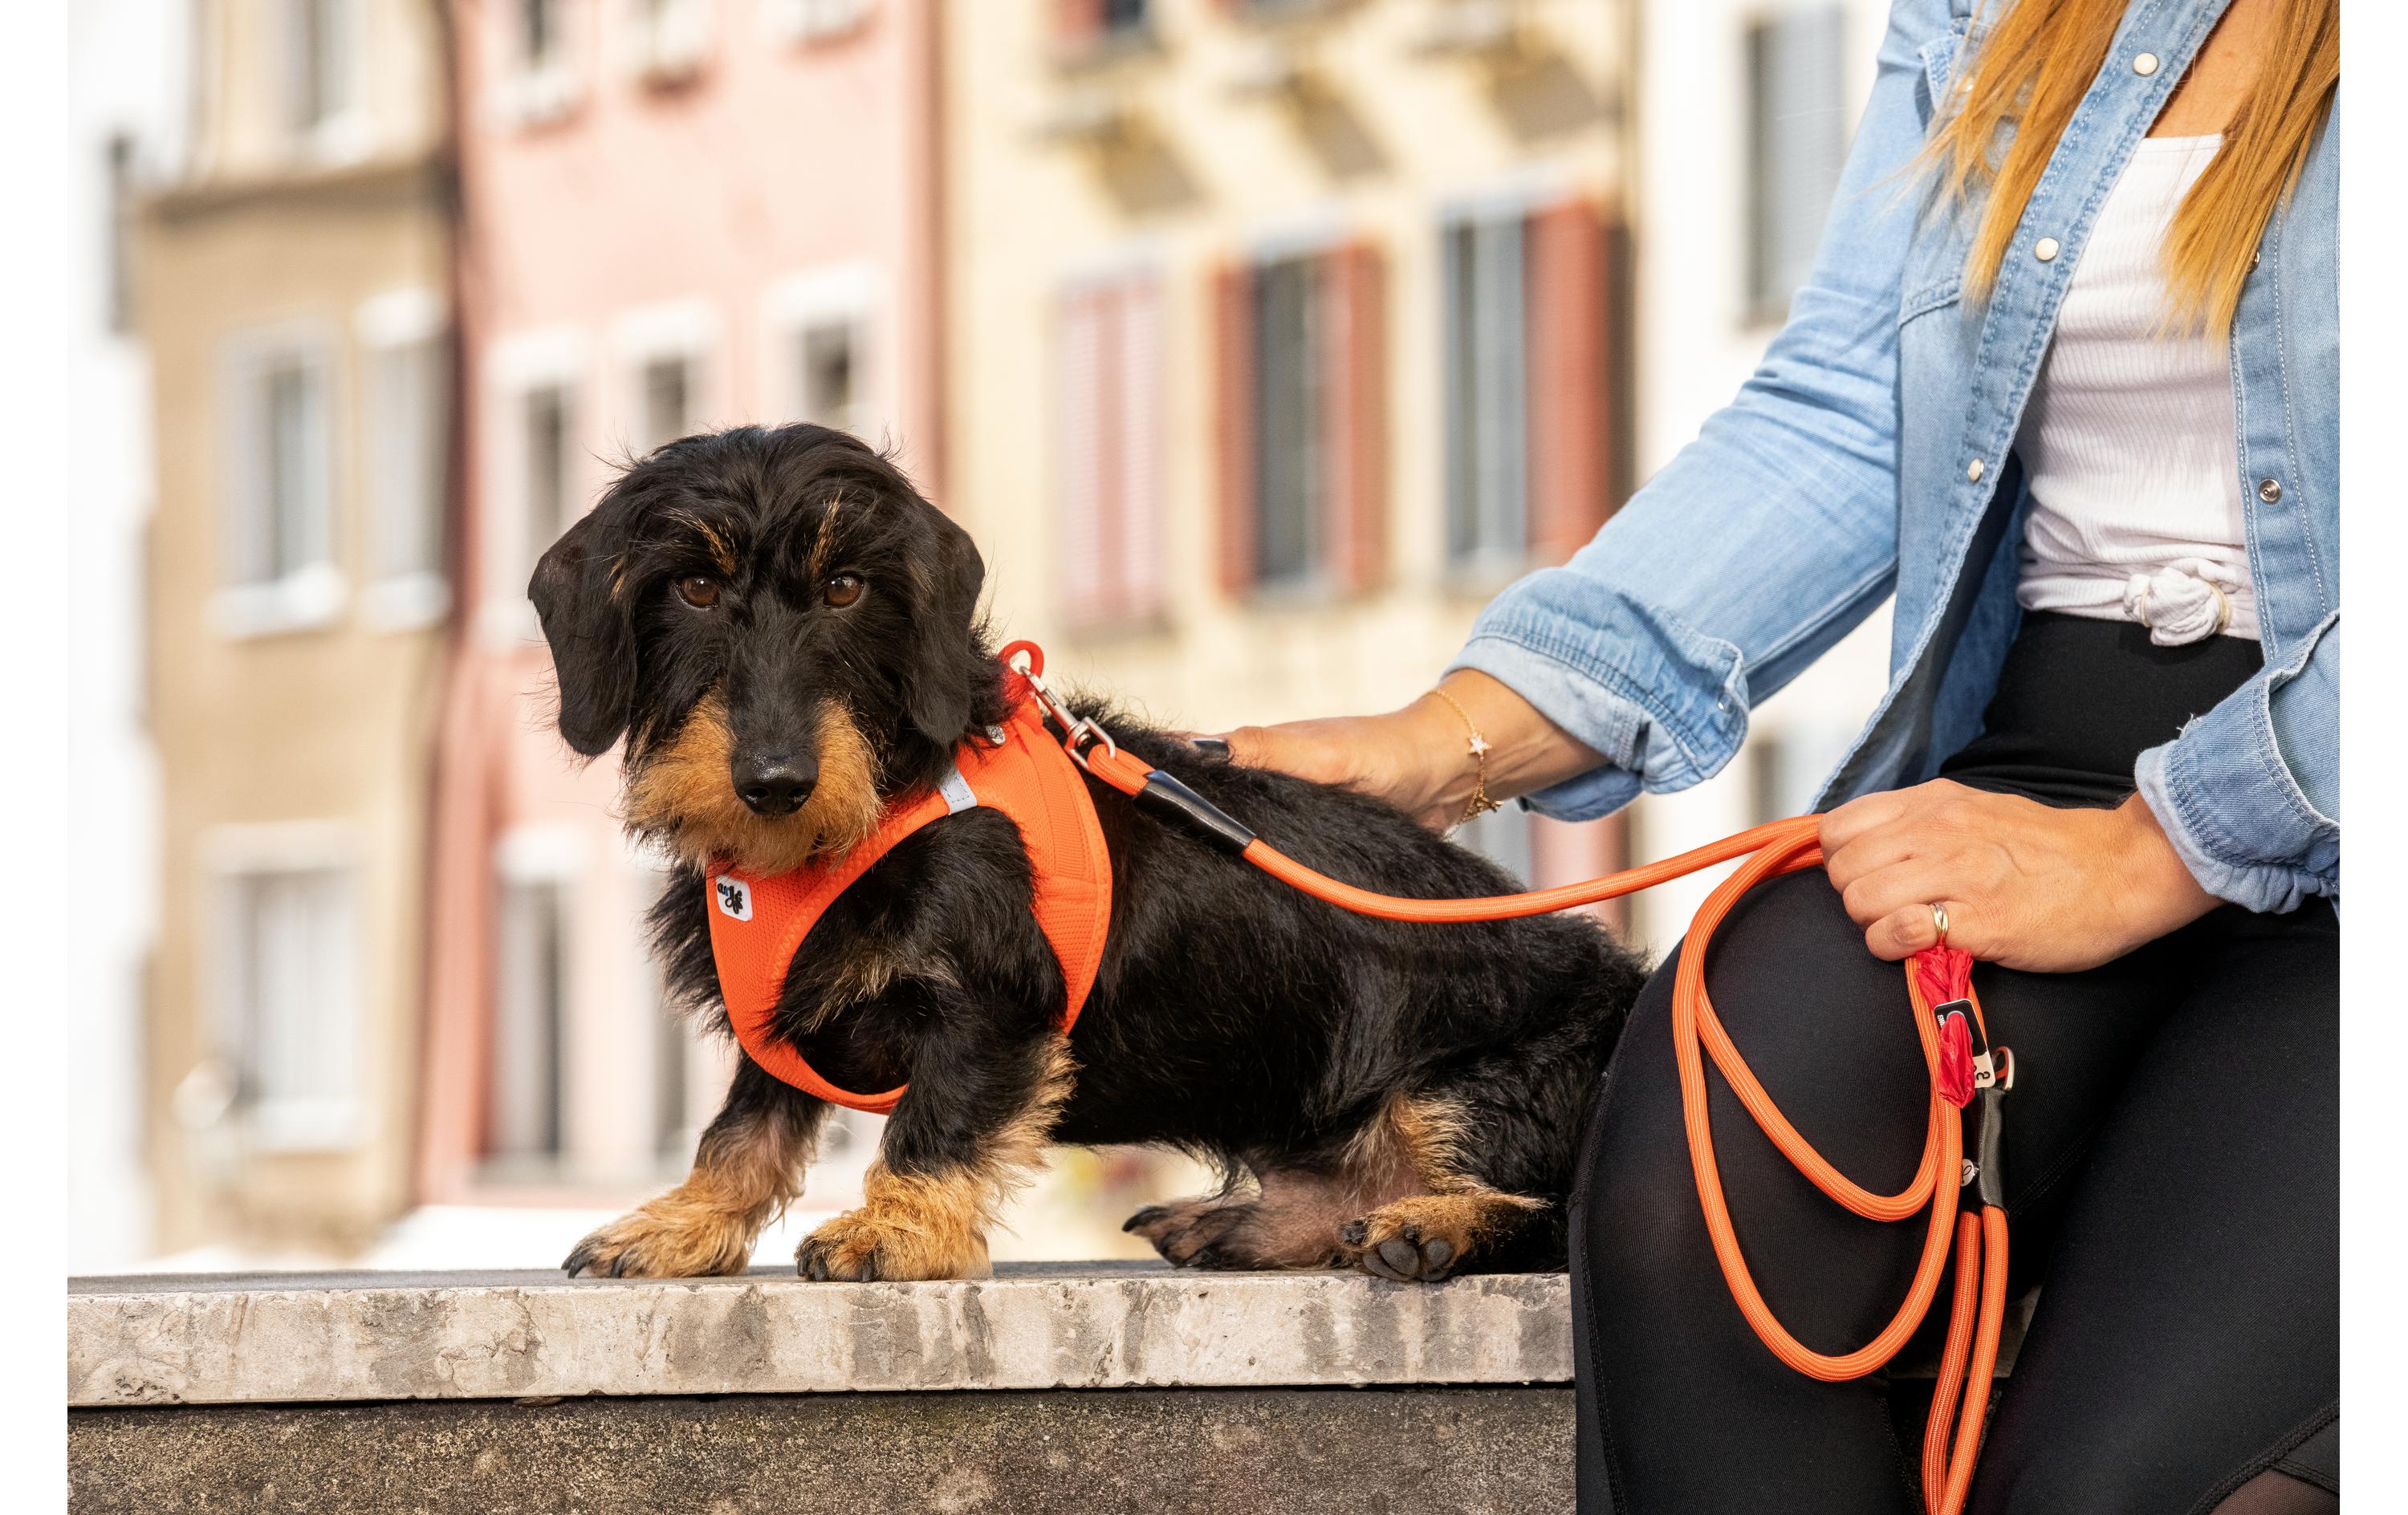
(1078, 732)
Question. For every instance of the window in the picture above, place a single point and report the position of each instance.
(1291, 507)
(670, 38)
(538, 35)
(1110, 400)
(547, 424)
(291, 1011)
(822, 344)
(407, 360)
(118, 236)
(280, 568)
(539, 80)
(666, 400)
(322, 43)
(526, 1106)
(1796, 141)
(1487, 366)
(826, 370)
(1301, 421)
(1533, 339)
(817, 21)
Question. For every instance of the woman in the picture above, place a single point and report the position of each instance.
(2065, 382)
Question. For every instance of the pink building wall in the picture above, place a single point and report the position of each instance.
(727, 193)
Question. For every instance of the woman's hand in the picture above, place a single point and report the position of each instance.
(1419, 759)
(2026, 885)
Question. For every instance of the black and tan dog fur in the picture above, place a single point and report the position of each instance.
(777, 611)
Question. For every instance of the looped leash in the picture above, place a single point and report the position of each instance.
(1947, 1019)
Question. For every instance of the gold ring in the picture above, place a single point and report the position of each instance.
(1939, 921)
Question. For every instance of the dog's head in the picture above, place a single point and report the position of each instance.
(785, 633)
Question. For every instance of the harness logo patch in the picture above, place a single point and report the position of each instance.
(734, 898)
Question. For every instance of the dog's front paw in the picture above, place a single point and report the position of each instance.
(665, 1239)
(863, 1248)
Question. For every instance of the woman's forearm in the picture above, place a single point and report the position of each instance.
(1421, 758)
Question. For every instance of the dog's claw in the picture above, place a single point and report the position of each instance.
(1145, 1217)
(577, 1259)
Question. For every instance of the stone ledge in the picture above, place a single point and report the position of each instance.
(266, 1338)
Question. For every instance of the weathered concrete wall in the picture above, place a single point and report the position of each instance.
(268, 1339)
(1229, 1451)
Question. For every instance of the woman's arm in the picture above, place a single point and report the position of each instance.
(1420, 758)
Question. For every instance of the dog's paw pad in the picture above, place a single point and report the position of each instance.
(1411, 1241)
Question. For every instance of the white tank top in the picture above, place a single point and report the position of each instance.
(2127, 443)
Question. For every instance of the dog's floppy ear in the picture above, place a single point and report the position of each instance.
(944, 651)
(592, 633)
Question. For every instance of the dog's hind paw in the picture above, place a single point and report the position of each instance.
(1187, 1233)
(1426, 1237)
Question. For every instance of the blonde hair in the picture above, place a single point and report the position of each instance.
(2034, 69)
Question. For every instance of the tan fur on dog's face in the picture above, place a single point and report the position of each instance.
(683, 797)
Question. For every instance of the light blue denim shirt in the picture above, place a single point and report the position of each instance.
(1870, 455)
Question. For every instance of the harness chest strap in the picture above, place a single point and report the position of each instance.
(758, 922)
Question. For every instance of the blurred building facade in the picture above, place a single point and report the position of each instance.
(1259, 343)
(676, 216)
(1289, 334)
(292, 295)
(127, 91)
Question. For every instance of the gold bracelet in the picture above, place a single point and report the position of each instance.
(1480, 804)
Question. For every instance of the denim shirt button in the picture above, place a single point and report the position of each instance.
(2046, 250)
(1974, 470)
(2269, 490)
(2146, 64)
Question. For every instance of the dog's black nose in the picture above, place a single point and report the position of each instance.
(775, 785)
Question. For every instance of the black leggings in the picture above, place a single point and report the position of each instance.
(2173, 1167)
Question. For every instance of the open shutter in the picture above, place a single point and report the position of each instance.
(1233, 307)
(1354, 416)
(1571, 428)
(1138, 465)
(1085, 445)
(1077, 23)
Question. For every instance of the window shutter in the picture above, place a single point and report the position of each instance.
(1232, 307)
(1574, 434)
(1078, 21)
(1138, 479)
(1083, 390)
(1355, 415)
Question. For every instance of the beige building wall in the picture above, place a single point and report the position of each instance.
(292, 705)
(1215, 131)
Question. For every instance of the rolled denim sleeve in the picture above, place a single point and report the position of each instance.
(2250, 792)
(1765, 539)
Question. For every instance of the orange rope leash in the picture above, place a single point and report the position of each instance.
(1977, 1310)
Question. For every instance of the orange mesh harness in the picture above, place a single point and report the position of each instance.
(758, 924)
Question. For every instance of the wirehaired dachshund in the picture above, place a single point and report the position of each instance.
(787, 638)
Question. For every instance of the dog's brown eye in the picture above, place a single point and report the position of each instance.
(700, 590)
(843, 590)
